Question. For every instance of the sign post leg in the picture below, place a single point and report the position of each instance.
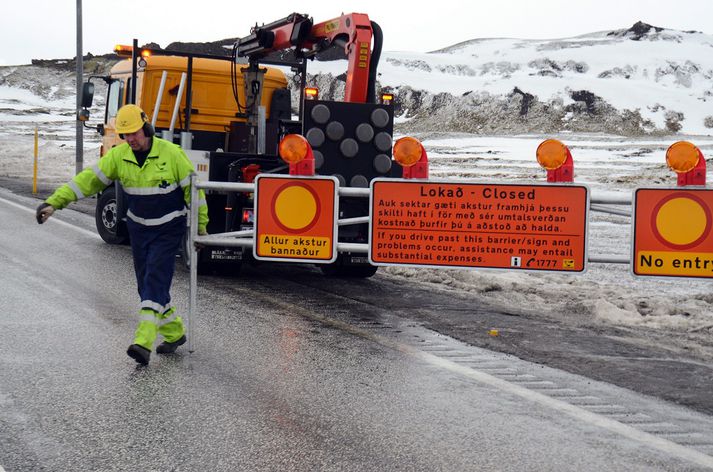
(192, 253)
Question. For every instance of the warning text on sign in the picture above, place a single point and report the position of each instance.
(531, 227)
(295, 246)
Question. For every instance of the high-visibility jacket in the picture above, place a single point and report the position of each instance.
(156, 193)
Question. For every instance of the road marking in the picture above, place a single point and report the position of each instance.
(669, 447)
(52, 220)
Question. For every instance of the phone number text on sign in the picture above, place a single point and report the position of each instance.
(527, 227)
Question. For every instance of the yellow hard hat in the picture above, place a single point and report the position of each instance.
(130, 119)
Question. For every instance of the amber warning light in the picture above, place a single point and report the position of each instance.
(688, 162)
(407, 151)
(123, 50)
(410, 153)
(682, 157)
(293, 148)
(555, 157)
(311, 93)
(296, 151)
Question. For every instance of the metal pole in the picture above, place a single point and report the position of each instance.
(189, 94)
(159, 97)
(177, 105)
(261, 113)
(134, 71)
(80, 70)
(34, 169)
(193, 260)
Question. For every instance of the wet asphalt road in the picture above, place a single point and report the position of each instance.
(290, 372)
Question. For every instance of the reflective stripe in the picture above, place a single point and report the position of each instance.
(147, 317)
(73, 185)
(151, 306)
(169, 319)
(185, 182)
(150, 190)
(100, 175)
(156, 221)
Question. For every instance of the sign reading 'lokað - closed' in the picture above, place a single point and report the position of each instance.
(468, 225)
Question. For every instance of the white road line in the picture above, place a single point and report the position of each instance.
(1, 469)
(664, 445)
(52, 220)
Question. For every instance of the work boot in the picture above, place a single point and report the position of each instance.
(170, 348)
(139, 353)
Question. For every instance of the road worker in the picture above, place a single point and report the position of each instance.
(155, 175)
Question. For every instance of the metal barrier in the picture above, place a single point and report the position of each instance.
(245, 238)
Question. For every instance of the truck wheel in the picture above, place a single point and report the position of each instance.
(108, 225)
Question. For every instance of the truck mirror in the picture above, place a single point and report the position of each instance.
(87, 94)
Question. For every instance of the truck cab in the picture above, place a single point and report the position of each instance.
(217, 123)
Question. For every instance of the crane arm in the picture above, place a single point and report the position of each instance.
(352, 32)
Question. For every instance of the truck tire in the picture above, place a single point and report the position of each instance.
(108, 225)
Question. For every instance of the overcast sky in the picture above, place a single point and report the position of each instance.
(46, 29)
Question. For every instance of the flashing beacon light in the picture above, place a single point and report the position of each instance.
(296, 151)
(387, 98)
(554, 156)
(145, 53)
(410, 153)
(688, 162)
(311, 93)
(123, 50)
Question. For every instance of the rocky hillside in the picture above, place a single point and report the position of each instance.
(635, 81)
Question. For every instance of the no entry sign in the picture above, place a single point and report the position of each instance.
(672, 232)
(459, 224)
(295, 218)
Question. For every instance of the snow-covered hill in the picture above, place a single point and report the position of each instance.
(631, 82)
(634, 81)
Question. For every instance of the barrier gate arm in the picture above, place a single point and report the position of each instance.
(244, 238)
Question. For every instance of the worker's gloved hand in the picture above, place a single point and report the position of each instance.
(44, 211)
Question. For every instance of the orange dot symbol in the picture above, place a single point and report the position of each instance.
(295, 207)
(681, 222)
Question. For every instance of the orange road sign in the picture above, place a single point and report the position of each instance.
(459, 224)
(295, 218)
(672, 232)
